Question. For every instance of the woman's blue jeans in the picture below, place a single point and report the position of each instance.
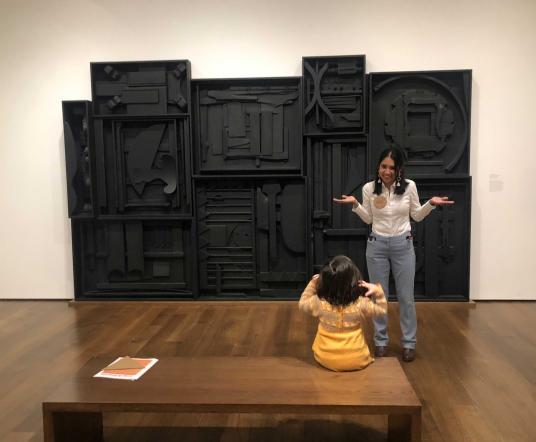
(394, 253)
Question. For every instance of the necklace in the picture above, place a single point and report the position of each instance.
(380, 202)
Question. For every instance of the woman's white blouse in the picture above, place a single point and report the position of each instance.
(393, 219)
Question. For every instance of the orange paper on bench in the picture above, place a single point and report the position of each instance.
(125, 363)
(127, 368)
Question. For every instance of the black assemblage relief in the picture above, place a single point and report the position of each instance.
(79, 169)
(251, 238)
(222, 188)
(141, 88)
(247, 125)
(427, 115)
(334, 91)
(133, 258)
(337, 167)
(442, 241)
(143, 166)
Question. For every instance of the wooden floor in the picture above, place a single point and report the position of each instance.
(475, 370)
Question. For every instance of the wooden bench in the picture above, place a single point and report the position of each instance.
(262, 385)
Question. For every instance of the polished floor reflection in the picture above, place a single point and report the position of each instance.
(475, 370)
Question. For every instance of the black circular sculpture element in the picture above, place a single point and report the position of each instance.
(428, 121)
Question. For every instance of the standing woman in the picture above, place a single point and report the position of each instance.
(388, 202)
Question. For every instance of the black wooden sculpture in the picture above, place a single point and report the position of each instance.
(222, 188)
(76, 134)
(247, 125)
(334, 92)
(427, 114)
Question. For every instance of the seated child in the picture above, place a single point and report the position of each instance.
(342, 301)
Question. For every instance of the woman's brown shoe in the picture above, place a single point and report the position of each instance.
(380, 351)
(408, 354)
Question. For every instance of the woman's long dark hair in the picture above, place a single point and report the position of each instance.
(400, 160)
(337, 282)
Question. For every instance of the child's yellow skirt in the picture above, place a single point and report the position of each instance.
(341, 351)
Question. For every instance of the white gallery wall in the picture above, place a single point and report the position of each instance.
(46, 47)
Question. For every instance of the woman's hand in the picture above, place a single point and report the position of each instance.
(346, 199)
(374, 290)
(440, 201)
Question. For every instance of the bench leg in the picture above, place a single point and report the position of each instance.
(68, 427)
(404, 427)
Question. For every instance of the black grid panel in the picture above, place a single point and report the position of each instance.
(223, 188)
(251, 237)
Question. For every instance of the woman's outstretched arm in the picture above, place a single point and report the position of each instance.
(418, 212)
(362, 210)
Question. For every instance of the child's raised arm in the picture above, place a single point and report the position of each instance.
(374, 302)
(309, 301)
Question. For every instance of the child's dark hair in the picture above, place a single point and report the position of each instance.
(338, 281)
(399, 158)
